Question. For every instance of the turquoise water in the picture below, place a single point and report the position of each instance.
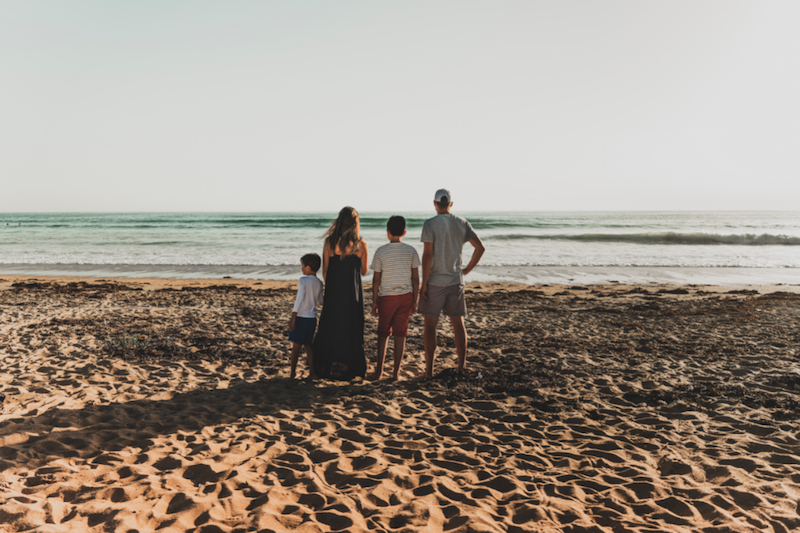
(193, 242)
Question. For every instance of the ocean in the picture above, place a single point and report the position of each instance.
(545, 247)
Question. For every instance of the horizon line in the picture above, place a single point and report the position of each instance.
(476, 211)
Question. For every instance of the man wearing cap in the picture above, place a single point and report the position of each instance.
(442, 287)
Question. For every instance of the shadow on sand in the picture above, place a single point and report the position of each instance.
(91, 433)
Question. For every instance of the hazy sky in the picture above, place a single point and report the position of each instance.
(312, 105)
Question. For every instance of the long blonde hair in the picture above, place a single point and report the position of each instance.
(344, 231)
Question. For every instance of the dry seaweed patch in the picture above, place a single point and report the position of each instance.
(219, 323)
(722, 348)
(79, 287)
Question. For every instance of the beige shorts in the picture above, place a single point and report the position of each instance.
(449, 300)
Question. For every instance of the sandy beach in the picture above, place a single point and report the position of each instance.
(152, 404)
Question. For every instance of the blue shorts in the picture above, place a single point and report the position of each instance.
(303, 332)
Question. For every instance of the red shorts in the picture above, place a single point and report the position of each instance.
(393, 313)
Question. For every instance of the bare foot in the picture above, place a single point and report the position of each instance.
(374, 376)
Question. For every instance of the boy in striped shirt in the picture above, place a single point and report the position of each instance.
(395, 286)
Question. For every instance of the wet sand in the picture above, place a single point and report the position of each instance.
(162, 404)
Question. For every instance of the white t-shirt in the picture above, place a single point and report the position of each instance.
(394, 261)
(309, 295)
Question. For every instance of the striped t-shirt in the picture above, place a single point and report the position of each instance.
(394, 261)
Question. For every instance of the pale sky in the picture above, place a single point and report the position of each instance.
(312, 105)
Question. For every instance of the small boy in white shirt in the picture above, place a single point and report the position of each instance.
(304, 314)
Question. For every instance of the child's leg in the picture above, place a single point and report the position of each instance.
(310, 355)
(295, 353)
(382, 342)
(399, 350)
(400, 330)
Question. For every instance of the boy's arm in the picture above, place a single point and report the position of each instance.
(476, 255)
(301, 291)
(376, 285)
(414, 289)
(427, 261)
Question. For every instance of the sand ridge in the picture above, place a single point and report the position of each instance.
(156, 404)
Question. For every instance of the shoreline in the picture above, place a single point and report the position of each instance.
(146, 284)
(528, 275)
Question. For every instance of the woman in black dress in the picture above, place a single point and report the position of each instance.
(340, 335)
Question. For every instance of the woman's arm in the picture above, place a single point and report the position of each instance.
(326, 257)
(363, 253)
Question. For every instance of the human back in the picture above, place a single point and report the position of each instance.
(449, 232)
(395, 261)
(343, 239)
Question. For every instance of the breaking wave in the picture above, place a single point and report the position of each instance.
(701, 239)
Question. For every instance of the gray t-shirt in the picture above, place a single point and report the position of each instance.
(448, 233)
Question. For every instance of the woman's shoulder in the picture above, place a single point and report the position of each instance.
(358, 249)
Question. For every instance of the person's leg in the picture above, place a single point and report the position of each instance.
(310, 354)
(460, 334)
(382, 341)
(400, 329)
(430, 344)
(456, 308)
(295, 354)
(430, 309)
(399, 350)
(387, 308)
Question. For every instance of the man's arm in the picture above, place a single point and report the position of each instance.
(476, 255)
(414, 289)
(376, 286)
(427, 261)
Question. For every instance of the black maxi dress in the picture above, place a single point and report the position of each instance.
(340, 335)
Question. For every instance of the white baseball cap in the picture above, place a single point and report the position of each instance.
(442, 194)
